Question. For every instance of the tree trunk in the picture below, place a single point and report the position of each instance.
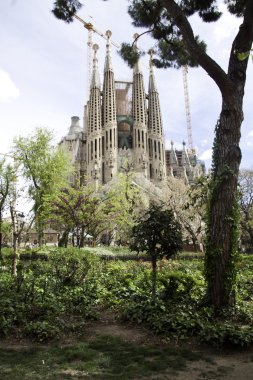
(223, 210)
(222, 224)
(63, 240)
(82, 240)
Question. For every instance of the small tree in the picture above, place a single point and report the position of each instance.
(246, 207)
(6, 179)
(44, 167)
(189, 204)
(158, 234)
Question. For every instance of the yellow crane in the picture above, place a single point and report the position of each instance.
(91, 29)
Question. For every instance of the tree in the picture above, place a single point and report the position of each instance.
(189, 206)
(66, 9)
(83, 210)
(168, 22)
(70, 211)
(44, 167)
(7, 177)
(130, 202)
(158, 234)
(246, 208)
(6, 232)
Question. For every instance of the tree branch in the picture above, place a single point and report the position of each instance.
(222, 80)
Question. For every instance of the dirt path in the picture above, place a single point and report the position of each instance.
(212, 364)
(215, 365)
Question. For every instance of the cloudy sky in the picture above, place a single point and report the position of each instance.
(44, 69)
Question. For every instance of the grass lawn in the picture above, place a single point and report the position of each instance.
(105, 357)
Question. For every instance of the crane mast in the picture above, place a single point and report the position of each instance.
(89, 26)
(187, 108)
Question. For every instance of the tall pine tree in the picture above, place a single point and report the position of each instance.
(168, 22)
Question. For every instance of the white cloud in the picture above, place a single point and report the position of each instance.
(203, 142)
(250, 134)
(206, 155)
(8, 89)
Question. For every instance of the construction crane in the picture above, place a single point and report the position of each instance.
(187, 108)
(89, 26)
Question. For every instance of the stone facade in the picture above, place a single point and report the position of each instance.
(123, 130)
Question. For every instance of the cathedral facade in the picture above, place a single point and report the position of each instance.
(123, 131)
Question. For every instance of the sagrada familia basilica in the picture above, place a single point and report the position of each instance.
(123, 130)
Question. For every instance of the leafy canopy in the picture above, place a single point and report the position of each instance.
(66, 9)
(158, 233)
(170, 49)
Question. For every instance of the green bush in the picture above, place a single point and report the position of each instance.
(46, 291)
(41, 331)
(48, 298)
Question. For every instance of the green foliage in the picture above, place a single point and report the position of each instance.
(173, 54)
(244, 55)
(170, 50)
(41, 331)
(44, 167)
(7, 181)
(157, 233)
(246, 209)
(66, 9)
(52, 297)
(130, 54)
(236, 7)
(47, 295)
(226, 335)
(177, 286)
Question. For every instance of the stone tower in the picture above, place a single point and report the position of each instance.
(157, 165)
(123, 125)
(109, 119)
(94, 124)
(123, 131)
(140, 121)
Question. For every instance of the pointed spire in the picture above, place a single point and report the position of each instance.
(94, 112)
(95, 81)
(137, 66)
(108, 58)
(152, 81)
(185, 158)
(155, 119)
(109, 96)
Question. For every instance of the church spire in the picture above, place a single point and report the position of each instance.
(152, 81)
(109, 119)
(155, 120)
(94, 123)
(108, 57)
(109, 98)
(94, 152)
(155, 128)
(139, 113)
(139, 96)
(95, 80)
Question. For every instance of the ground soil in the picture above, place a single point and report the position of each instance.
(216, 364)
(213, 364)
